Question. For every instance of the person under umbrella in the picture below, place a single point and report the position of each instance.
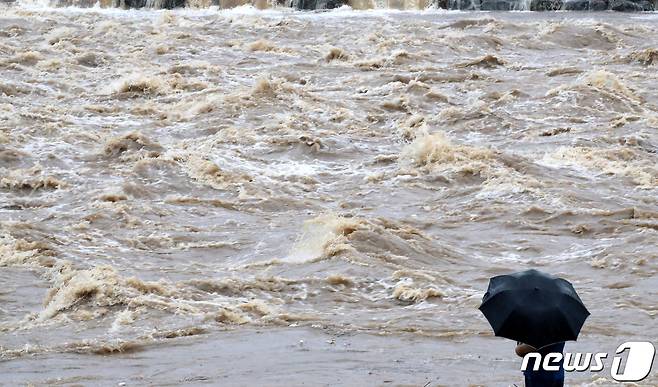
(541, 377)
(540, 312)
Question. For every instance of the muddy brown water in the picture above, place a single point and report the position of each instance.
(204, 197)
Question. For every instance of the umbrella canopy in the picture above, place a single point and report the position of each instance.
(533, 307)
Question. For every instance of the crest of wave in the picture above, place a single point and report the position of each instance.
(602, 81)
(613, 162)
(436, 148)
(320, 236)
(430, 153)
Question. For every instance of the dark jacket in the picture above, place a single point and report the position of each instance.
(542, 378)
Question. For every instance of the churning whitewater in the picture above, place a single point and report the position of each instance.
(185, 193)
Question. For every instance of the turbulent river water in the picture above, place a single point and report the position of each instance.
(273, 197)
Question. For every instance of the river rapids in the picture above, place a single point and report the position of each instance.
(275, 197)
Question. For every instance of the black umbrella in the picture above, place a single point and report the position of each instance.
(533, 307)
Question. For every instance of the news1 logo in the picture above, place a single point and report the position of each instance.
(638, 358)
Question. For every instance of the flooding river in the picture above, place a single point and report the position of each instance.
(244, 197)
